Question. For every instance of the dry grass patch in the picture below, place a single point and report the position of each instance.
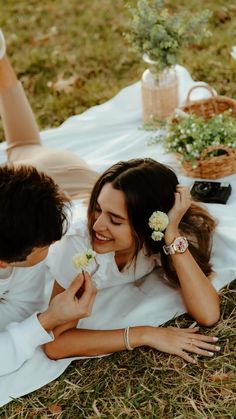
(144, 383)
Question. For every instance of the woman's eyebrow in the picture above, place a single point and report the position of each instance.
(117, 215)
(113, 214)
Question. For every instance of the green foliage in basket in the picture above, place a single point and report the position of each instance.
(192, 134)
(160, 35)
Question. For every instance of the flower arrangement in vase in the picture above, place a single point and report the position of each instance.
(159, 37)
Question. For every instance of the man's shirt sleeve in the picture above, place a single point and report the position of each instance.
(19, 341)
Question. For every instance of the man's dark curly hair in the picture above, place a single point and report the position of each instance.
(33, 212)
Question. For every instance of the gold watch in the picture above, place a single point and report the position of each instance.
(179, 245)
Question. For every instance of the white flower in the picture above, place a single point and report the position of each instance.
(180, 113)
(188, 147)
(233, 52)
(82, 260)
(158, 221)
(157, 235)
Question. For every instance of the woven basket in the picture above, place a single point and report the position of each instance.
(209, 167)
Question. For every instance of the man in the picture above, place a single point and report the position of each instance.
(33, 215)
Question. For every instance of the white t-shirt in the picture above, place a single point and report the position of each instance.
(21, 294)
(107, 274)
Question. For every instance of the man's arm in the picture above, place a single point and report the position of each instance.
(19, 341)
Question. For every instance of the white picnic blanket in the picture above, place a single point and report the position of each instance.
(103, 135)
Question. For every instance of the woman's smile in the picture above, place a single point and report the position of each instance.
(101, 238)
(111, 229)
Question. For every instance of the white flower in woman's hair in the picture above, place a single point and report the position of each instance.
(233, 52)
(82, 260)
(158, 221)
(157, 236)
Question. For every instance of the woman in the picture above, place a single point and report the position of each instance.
(140, 218)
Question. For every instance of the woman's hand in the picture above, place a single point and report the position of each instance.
(181, 205)
(179, 342)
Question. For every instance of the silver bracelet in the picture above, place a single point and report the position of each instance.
(126, 339)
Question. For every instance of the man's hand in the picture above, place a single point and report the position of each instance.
(66, 306)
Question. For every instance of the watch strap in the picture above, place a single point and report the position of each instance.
(169, 250)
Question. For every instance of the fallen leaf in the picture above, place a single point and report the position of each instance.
(55, 409)
(64, 85)
(44, 38)
(40, 40)
(220, 376)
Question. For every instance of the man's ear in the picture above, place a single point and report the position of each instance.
(3, 264)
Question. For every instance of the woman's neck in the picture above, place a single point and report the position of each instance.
(122, 260)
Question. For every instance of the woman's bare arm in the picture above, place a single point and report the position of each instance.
(199, 295)
(79, 342)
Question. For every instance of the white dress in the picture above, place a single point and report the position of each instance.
(106, 274)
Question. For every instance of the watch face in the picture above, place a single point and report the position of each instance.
(180, 244)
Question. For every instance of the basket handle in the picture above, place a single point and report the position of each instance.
(205, 86)
(205, 152)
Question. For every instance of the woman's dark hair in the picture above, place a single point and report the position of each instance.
(150, 186)
(33, 212)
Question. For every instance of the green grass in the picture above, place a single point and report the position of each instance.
(144, 383)
(88, 44)
(48, 41)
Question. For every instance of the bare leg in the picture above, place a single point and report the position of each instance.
(7, 74)
(18, 120)
(24, 146)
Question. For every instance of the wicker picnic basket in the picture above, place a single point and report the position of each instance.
(211, 167)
